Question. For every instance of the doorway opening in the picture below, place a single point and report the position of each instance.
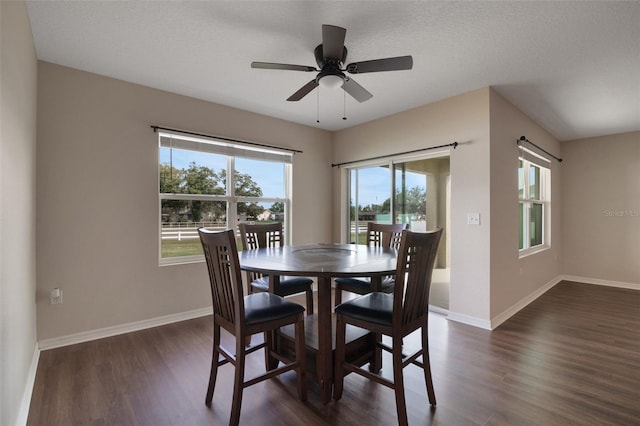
(416, 192)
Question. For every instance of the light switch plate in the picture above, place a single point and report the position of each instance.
(473, 218)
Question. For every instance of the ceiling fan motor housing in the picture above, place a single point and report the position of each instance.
(330, 67)
(322, 61)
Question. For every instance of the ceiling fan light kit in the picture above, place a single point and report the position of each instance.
(330, 57)
(331, 81)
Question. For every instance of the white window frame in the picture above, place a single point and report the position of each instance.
(231, 150)
(530, 159)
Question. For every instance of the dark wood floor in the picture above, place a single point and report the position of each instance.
(572, 357)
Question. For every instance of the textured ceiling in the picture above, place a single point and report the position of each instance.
(574, 67)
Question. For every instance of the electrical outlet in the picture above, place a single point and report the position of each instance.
(56, 296)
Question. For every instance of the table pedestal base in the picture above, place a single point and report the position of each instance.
(361, 349)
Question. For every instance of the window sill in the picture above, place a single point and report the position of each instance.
(171, 261)
(534, 250)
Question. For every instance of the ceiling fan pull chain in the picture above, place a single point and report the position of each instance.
(344, 105)
(318, 107)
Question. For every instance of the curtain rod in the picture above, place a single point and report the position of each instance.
(453, 144)
(185, 132)
(524, 139)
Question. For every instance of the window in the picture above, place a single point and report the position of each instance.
(534, 177)
(216, 184)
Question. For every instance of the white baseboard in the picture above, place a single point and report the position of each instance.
(598, 281)
(25, 403)
(438, 310)
(100, 333)
(469, 320)
(462, 318)
(499, 319)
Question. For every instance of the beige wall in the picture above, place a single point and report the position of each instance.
(97, 224)
(601, 208)
(18, 86)
(512, 278)
(488, 280)
(464, 119)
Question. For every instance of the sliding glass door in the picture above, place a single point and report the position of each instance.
(414, 192)
(369, 194)
(410, 196)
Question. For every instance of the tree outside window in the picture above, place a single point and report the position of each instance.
(197, 190)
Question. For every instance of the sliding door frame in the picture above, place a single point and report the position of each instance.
(390, 163)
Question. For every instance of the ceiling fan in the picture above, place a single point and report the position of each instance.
(330, 56)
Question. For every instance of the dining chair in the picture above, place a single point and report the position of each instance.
(243, 316)
(395, 315)
(255, 236)
(378, 235)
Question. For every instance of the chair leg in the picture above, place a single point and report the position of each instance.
(338, 295)
(310, 302)
(376, 363)
(300, 358)
(214, 364)
(270, 363)
(398, 382)
(247, 339)
(427, 366)
(338, 375)
(238, 385)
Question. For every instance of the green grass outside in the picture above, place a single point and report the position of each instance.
(186, 247)
(362, 238)
(177, 248)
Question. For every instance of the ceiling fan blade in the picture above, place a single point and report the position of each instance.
(272, 66)
(387, 64)
(303, 91)
(358, 92)
(333, 41)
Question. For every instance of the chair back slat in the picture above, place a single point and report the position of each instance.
(385, 235)
(256, 236)
(416, 259)
(221, 255)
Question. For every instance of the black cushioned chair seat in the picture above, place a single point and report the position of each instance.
(261, 307)
(365, 282)
(373, 307)
(288, 285)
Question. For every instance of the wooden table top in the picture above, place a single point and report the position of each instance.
(321, 260)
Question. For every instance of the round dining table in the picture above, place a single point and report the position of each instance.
(324, 262)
